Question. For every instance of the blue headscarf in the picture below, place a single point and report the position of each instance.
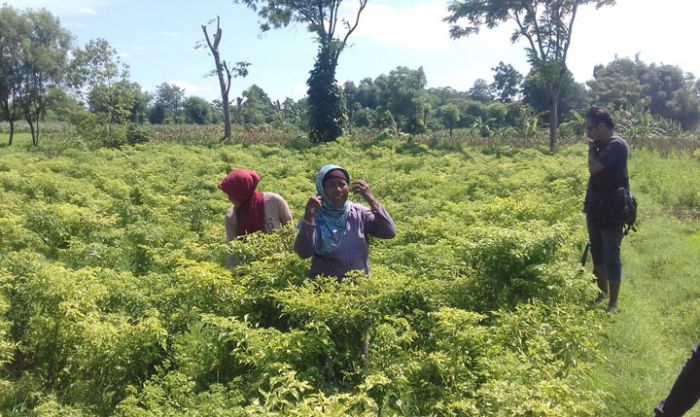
(331, 222)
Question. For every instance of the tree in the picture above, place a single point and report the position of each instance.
(257, 109)
(662, 90)
(572, 95)
(98, 68)
(225, 73)
(450, 116)
(13, 29)
(157, 114)
(327, 111)
(44, 66)
(402, 92)
(197, 110)
(506, 82)
(481, 91)
(170, 97)
(619, 85)
(546, 25)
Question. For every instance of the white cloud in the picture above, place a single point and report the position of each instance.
(60, 7)
(300, 90)
(170, 34)
(416, 27)
(659, 32)
(208, 91)
(86, 10)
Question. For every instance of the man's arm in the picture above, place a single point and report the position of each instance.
(594, 167)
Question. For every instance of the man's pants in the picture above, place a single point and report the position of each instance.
(605, 249)
(685, 391)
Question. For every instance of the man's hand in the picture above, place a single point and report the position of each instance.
(592, 145)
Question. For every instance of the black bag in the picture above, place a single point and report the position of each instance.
(628, 210)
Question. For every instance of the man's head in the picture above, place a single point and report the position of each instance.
(600, 124)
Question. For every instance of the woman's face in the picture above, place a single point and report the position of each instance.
(337, 190)
(234, 201)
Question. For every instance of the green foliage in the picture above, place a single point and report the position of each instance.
(663, 90)
(37, 64)
(327, 111)
(572, 95)
(114, 298)
(547, 27)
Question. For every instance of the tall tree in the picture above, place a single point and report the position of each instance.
(547, 26)
(224, 73)
(402, 92)
(257, 108)
(170, 97)
(663, 90)
(450, 116)
(481, 91)
(13, 29)
(44, 66)
(572, 95)
(327, 112)
(96, 71)
(197, 110)
(506, 82)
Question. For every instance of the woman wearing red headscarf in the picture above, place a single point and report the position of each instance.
(252, 210)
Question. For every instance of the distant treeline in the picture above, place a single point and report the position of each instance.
(45, 77)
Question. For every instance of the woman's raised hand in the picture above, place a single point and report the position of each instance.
(361, 187)
(312, 207)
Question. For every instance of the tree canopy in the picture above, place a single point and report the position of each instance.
(546, 25)
(326, 105)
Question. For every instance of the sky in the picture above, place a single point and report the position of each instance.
(157, 39)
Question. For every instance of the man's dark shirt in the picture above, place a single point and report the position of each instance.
(601, 186)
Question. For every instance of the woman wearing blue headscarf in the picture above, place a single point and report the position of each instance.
(335, 232)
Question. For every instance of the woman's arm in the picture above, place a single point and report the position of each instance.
(285, 214)
(306, 236)
(377, 221)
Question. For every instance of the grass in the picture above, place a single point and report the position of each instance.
(647, 343)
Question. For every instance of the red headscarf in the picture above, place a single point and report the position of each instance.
(250, 213)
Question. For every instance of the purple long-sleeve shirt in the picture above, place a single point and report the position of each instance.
(353, 252)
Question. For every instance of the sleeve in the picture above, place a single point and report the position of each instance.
(378, 223)
(231, 225)
(306, 239)
(285, 214)
(613, 155)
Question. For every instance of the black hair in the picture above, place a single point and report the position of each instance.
(600, 115)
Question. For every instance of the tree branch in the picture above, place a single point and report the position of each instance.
(524, 32)
(532, 14)
(570, 30)
(363, 3)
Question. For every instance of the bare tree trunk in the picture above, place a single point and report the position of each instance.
(31, 129)
(10, 118)
(239, 105)
(223, 84)
(12, 130)
(553, 117)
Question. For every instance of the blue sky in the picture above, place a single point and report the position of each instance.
(156, 38)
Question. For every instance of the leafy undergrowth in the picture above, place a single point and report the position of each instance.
(115, 300)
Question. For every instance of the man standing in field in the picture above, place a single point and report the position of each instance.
(607, 165)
